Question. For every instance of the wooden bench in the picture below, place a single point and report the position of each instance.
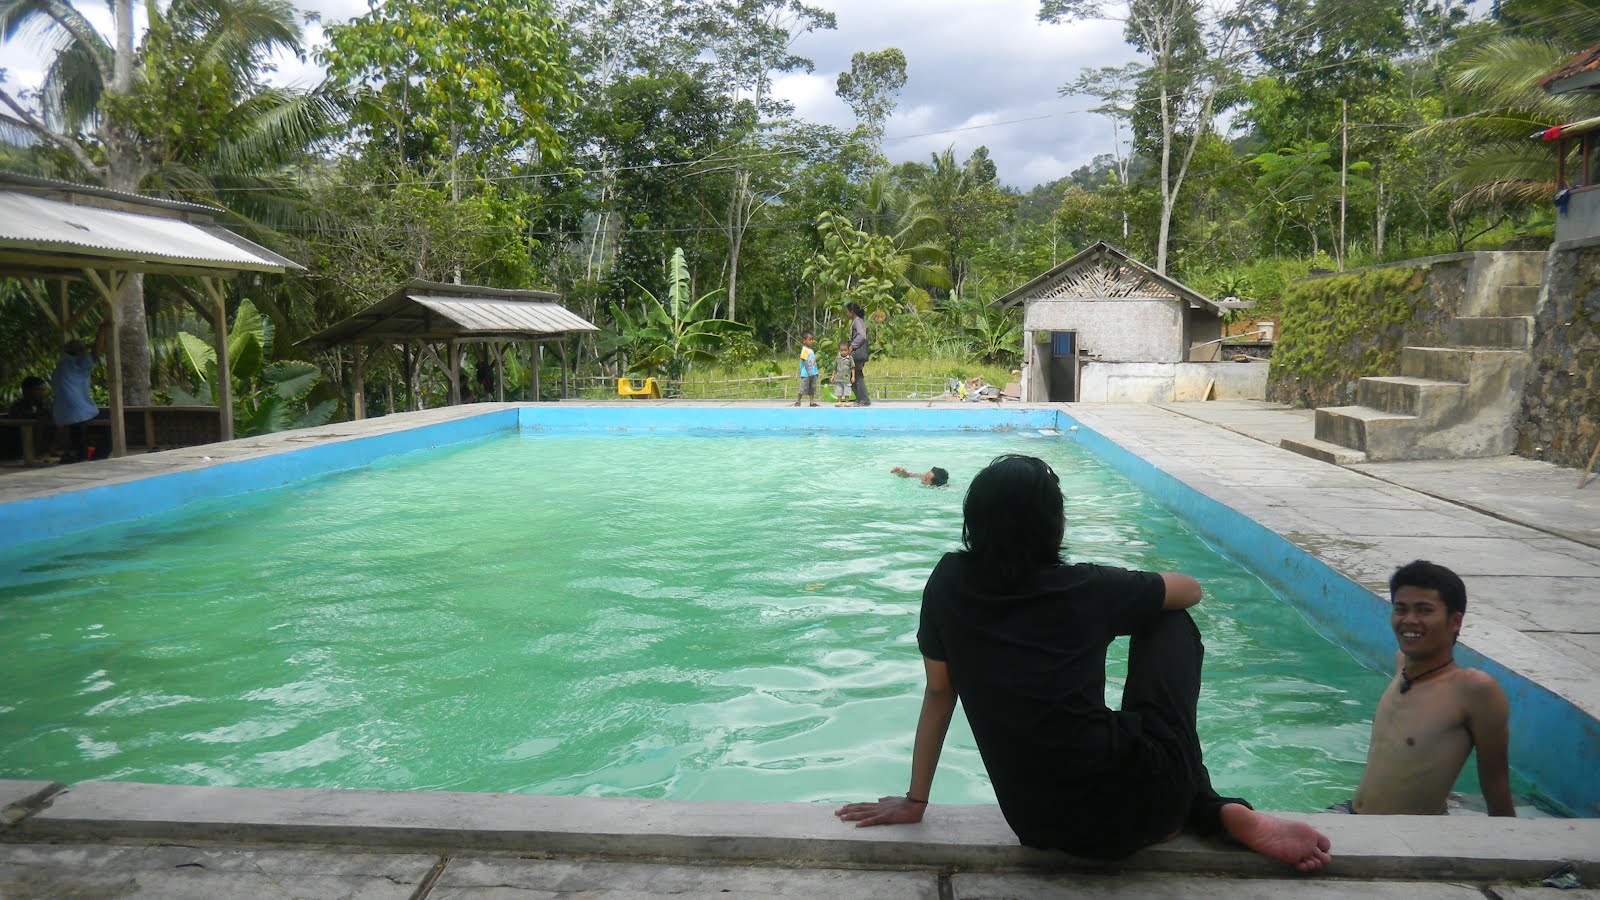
(150, 427)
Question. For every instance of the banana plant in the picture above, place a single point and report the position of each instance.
(669, 334)
(267, 396)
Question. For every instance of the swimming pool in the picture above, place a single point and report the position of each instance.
(721, 609)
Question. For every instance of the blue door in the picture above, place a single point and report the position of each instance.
(1063, 370)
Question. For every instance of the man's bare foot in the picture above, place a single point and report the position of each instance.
(1295, 843)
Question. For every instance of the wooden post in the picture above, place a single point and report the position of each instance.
(410, 366)
(219, 335)
(566, 385)
(498, 350)
(538, 351)
(41, 299)
(62, 301)
(358, 392)
(453, 371)
(108, 292)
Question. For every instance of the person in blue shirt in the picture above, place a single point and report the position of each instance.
(73, 408)
(809, 373)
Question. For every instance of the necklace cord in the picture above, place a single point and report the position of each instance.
(1406, 681)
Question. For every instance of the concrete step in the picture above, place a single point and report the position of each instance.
(1322, 450)
(1454, 363)
(1513, 332)
(1408, 395)
(1515, 300)
(1380, 433)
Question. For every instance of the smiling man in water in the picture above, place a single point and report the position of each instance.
(1434, 712)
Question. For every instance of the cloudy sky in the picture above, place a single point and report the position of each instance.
(980, 72)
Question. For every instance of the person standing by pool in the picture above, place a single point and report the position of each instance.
(73, 407)
(844, 372)
(809, 373)
(1020, 638)
(860, 351)
(1434, 713)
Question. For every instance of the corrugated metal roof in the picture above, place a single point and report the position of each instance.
(29, 222)
(431, 311)
(475, 314)
(37, 184)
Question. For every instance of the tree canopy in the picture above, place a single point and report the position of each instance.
(627, 153)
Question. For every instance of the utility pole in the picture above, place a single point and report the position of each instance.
(1344, 170)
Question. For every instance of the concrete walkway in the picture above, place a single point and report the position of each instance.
(1537, 494)
(1530, 557)
(135, 840)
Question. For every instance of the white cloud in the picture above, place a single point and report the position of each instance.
(984, 63)
(969, 64)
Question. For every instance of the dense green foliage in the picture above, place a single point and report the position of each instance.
(625, 153)
(1340, 328)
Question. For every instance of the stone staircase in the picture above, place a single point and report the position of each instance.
(1454, 402)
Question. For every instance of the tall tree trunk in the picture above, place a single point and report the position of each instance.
(1168, 195)
(125, 169)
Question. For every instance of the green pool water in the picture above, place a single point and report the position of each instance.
(694, 617)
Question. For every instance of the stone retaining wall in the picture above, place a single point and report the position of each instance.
(1560, 420)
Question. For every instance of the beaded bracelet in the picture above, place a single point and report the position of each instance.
(915, 800)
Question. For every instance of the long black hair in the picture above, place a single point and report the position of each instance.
(1014, 518)
(855, 308)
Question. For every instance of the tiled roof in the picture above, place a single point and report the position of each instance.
(1583, 64)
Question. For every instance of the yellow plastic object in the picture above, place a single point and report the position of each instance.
(648, 390)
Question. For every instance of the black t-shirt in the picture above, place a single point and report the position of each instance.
(1029, 665)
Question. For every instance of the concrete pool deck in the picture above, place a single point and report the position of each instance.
(1531, 612)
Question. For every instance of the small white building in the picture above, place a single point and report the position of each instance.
(1104, 327)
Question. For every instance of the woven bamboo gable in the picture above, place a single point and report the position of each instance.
(1103, 272)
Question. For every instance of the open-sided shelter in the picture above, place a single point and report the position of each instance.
(1104, 326)
(426, 320)
(58, 231)
(1577, 151)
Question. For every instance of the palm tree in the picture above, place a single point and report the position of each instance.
(185, 116)
(908, 220)
(1502, 165)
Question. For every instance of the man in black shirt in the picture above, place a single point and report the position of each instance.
(1020, 637)
(35, 404)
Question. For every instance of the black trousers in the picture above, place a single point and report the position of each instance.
(1163, 688)
(859, 386)
(78, 438)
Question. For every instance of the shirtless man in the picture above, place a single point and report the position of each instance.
(1434, 712)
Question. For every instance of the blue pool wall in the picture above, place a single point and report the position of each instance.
(1554, 744)
(58, 515)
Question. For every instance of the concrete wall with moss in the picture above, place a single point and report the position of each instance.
(1336, 329)
(1560, 419)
